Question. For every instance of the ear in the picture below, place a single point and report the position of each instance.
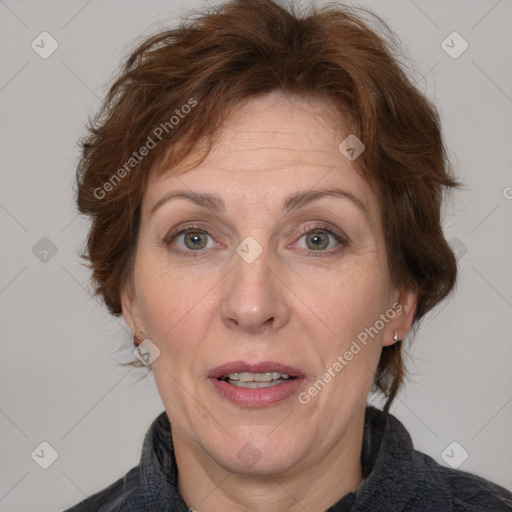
(129, 304)
(404, 307)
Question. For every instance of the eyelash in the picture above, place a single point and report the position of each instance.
(342, 240)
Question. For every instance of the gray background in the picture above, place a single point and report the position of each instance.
(59, 381)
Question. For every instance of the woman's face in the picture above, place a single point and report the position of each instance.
(266, 259)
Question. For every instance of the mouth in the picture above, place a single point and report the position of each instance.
(256, 380)
(255, 384)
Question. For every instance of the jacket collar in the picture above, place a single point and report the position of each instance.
(158, 470)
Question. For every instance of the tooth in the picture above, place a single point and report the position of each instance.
(256, 377)
(253, 385)
(263, 377)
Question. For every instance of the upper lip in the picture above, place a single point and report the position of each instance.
(262, 367)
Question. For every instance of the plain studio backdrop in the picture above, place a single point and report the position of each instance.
(59, 380)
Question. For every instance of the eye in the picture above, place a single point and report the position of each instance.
(190, 239)
(320, 239)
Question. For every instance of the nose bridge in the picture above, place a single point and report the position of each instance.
(252, 300)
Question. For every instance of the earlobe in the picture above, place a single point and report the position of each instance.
(400, 325)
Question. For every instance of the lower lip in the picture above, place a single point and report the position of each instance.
(257, 397)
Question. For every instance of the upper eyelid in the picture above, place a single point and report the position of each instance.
(321, 226)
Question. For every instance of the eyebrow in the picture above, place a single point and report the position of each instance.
(208, 200)
(292, 202)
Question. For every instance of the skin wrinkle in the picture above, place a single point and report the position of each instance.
(293, 201)
(285, 306)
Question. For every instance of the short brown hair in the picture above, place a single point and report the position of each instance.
(242, 49)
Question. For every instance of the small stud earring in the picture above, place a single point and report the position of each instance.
(395, 337)
(136, 340)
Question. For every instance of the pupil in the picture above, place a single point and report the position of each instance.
(316, 240)
(193, 240)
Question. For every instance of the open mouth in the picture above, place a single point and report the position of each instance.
(256, 380)
(256, 384)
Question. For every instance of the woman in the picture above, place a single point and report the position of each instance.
(265, 191)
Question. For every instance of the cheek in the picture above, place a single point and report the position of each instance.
(348, 306)
(167, 299)
(175, 315)
(348, 300)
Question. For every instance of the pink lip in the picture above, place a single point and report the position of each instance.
(263, 367)
(257, 397)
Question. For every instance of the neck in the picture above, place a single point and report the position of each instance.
(313, 485)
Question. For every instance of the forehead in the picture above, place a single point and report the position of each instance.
(270, 145)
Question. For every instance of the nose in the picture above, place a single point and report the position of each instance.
(253, 298)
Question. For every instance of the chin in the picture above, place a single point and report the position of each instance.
(260, 456)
